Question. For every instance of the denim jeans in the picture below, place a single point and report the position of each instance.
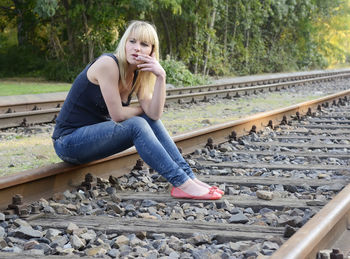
(150, 138)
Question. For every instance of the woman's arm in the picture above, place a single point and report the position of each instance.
(105, 73)
(153, 105)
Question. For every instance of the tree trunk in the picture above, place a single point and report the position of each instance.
(207, 50)
(195, 45)
(226, 30)
(167, 33)
(89, 55)
(70, 35)
(22, 33)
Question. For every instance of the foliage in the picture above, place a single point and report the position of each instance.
(211, 37)
(178, 74)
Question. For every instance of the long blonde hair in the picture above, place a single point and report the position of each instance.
(142, 31)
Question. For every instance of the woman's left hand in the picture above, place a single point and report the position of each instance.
(151, 64)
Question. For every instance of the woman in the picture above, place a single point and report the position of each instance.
(96, 121)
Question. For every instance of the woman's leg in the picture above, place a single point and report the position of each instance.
(169, 145)
(103, 139)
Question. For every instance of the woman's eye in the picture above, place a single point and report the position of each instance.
(132, 41)
(144, 44)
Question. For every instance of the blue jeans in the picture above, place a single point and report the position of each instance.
(150, 138)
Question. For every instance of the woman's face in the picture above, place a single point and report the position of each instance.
(134, 47)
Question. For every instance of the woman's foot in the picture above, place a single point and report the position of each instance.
(196, 180)
(191, 190)
(180, 194)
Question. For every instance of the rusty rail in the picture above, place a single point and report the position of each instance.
(320, 232)
(45, 181)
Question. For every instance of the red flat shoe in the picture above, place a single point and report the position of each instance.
(218, 190)
(180, 194)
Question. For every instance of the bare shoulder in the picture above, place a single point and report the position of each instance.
(104, 66)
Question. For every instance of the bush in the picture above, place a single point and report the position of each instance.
(21, 61)
(178, 74)
(61, 71)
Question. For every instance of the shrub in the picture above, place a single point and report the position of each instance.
(178, 74)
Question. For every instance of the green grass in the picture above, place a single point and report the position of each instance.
(8, 88)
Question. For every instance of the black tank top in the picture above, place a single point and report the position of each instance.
(84, 104)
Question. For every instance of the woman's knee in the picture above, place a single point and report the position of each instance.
(140, 125)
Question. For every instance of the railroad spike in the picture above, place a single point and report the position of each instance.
(18, 207)
(210, 143)
(297, 116)
(319, 108)
(284, 120)
(270, 124)
(9, 110)
(253, 129)
(233, 136)
(139, 165)
(309, 113)
(54, 118)
(24, 123)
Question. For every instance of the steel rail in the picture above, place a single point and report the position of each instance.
(26, 118)
(319, 232)
(45, 181)
(39, 102)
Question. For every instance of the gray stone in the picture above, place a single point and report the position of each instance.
(27, 232)
(120, 241)
(199, 238)
(13, 249)
(30, 244)
(20, 222)
(264, 195)
(96, 251)
(3, 243)
(89, 235)
(148, 203)
(59, 241)
(51, 233)
(270, 245)
(45, 247)
(2, 217)
(238, 218)
(68, 195)
(16, 240)
(2, 232)
(114, 253)
(174, 255)
(158, 236)
(76, 242)
(115, 198)
(71, 227)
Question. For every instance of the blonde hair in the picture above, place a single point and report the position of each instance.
(146, 32)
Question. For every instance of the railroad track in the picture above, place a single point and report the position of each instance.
(43, 111)
(274, 181)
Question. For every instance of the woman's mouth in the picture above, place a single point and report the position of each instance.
(135, 55)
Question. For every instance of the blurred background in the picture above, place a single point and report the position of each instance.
(55, 39)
